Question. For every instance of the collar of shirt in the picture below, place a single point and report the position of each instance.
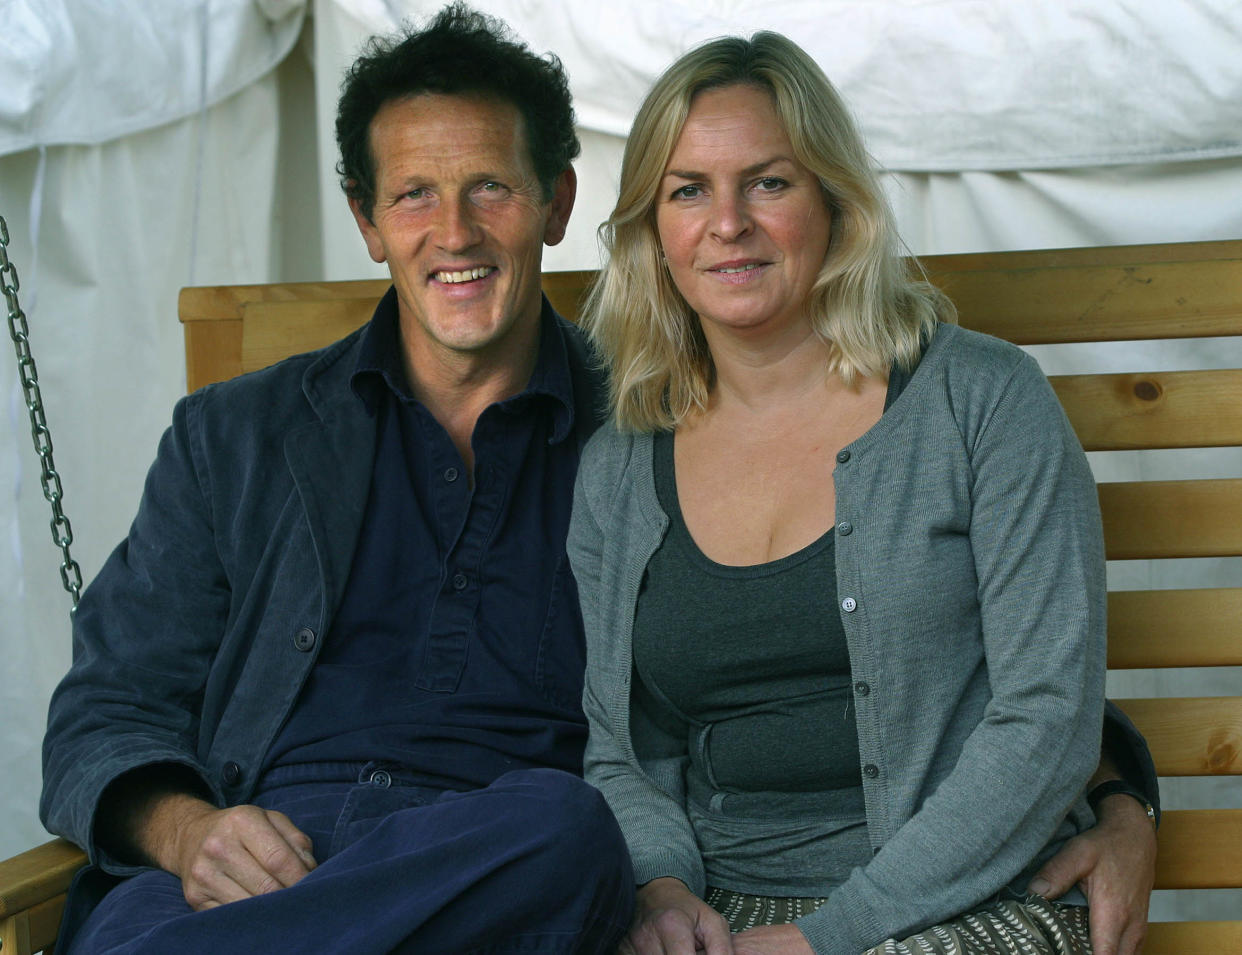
(379, 367)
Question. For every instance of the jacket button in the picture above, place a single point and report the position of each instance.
(845, 528)
(381, 778)
(231, 773)
(843, 456)
(304, 639)
(861, 688)
(871, 770)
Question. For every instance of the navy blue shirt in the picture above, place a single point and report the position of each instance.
(457, 652)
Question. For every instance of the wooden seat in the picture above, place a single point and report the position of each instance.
(1112, 294)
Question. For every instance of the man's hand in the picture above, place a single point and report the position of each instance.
(771, 940)
(159, 815)
(671, 920)
(222, 855)
(1116, 864)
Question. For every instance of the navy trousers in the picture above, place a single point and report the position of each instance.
(532, 863)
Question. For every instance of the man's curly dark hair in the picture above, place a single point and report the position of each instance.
(461, 52)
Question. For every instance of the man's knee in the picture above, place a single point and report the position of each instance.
(573, 818)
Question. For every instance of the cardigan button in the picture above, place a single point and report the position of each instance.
(871, 770)
(845, 528)
(861, 688)
(843, 456)
(849, 604)
(304, 639)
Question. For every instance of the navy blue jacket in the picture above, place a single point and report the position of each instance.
(193, 642)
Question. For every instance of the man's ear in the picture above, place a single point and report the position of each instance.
(563, 193)
(370, 235)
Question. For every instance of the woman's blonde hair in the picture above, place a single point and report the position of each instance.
(866, 300)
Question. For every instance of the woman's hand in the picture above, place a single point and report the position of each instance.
(771, 940)
(669, 919)
(1116, 864)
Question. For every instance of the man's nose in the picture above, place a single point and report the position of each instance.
(458, 228)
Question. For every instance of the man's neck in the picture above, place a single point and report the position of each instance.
(456, 387)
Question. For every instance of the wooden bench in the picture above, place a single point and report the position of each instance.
(1074, 295)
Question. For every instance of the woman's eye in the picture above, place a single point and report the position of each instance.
(770, 183)
(687, 192)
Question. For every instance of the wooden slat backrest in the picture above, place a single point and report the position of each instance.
(1115, 294)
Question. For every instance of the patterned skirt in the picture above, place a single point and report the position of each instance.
(1033, 926)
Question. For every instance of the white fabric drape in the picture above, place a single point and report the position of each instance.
(1016, 125)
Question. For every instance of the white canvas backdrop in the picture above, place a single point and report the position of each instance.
(1021, 125)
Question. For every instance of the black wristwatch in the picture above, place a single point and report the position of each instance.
(1115, 787)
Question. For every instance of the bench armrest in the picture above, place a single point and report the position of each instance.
(32, 888)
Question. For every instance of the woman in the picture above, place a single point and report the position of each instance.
(840, 560)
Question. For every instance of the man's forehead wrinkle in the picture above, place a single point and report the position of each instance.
(427, 153)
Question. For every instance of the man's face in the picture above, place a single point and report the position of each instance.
(461, 221)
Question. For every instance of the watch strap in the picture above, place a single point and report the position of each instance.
(1119, 787)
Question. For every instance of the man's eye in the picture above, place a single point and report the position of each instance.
(416, 193)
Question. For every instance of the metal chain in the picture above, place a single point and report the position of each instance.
(62, 533)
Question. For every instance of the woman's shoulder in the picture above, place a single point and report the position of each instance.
(970, 376)
(610, 455)
(965, 346)
(975, 362)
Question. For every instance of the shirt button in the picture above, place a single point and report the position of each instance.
(231, 773)
(459, 581)
(450, 474)
(381, 778)
(849, 604)
(842, 456)
(845, 528)
(871, 770)
(861, 688)
(304, 639)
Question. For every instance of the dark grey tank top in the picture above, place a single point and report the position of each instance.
(749, 661)
(750, 666)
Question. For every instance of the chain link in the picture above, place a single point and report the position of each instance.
(19, 331)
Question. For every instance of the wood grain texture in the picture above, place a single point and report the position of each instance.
(1159, 519)
(33, 929)
(37, 874)
(1175, 628)
(1193, 938)
(1191, 736)
(1182, 409)
(1199, 849)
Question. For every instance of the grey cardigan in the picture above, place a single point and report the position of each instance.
(970, 575)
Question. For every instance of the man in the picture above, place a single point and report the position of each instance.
(344, 610)
(332, 677)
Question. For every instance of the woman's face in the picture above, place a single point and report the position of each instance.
(743, 224)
